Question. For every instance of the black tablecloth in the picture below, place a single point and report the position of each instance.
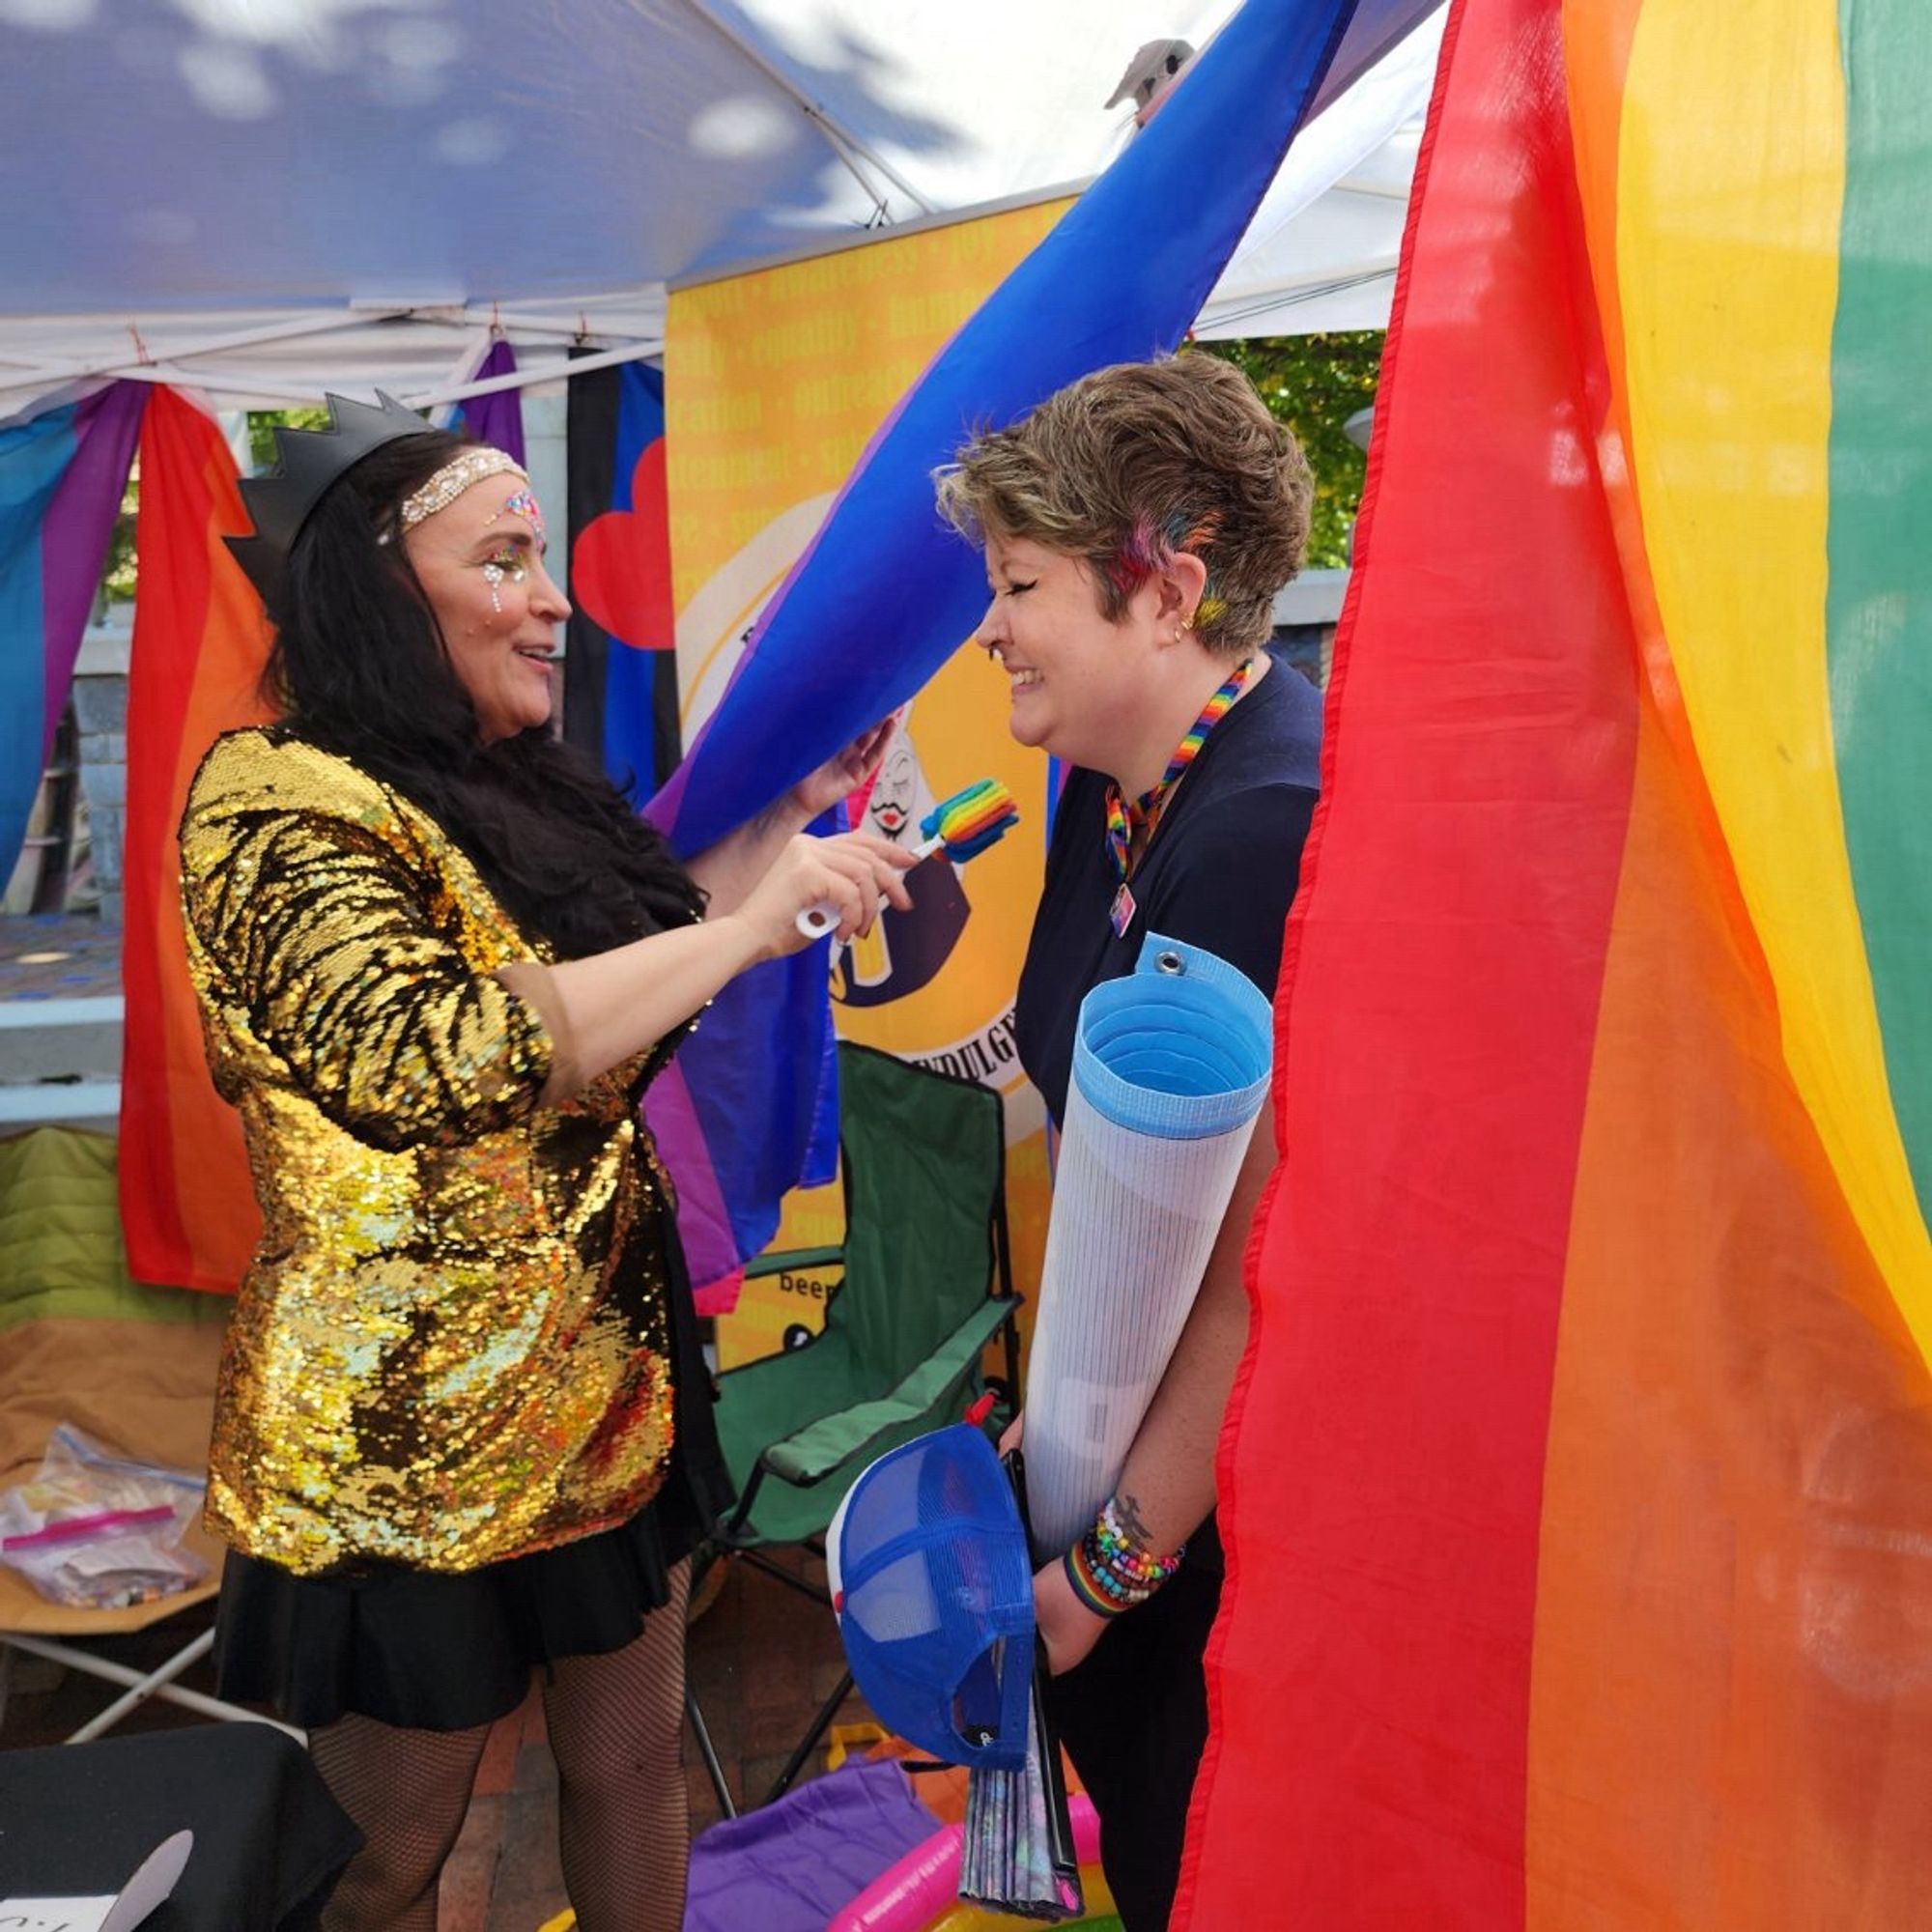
(269, 1840)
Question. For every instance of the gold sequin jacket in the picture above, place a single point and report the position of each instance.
(452, 1345)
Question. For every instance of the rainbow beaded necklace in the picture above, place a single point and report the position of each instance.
(1125, 816)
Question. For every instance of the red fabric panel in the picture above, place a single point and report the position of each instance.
(200, 642)
(1382, 1470)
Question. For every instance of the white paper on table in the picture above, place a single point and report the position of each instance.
(54, 1914)
(152, 1882)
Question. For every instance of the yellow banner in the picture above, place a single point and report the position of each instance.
(775, 382)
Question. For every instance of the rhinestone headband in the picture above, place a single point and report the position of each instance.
(453, 480)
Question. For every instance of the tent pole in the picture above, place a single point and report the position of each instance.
(166, 373)
(311, 324)
(79, 370)
(470, 360)
(514, 326)
(296, 393)
(843, 143)
(526, 379)
(1261, 295)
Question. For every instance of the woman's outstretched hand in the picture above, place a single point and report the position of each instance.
(845, 772)
(851, 872)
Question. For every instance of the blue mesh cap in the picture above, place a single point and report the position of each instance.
(933, 1584)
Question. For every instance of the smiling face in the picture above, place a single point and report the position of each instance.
(480, 563)
(1075, 677)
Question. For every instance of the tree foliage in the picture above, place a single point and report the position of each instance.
(263, 424)
(117, 579)
(1313, 384)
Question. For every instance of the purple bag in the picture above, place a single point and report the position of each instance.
(789, 1867)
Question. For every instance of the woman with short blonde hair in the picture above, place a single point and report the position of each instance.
(1136, 528)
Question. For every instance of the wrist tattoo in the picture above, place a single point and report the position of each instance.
(1113, 1567)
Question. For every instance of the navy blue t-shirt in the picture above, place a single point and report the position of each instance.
(1220, 871)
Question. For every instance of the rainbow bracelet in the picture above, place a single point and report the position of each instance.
(1111, 1570)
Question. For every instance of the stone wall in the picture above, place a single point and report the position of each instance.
(100, 716)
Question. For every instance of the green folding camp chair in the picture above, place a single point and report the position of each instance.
(928, 1285)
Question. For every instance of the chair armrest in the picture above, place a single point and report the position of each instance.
(814, 1452)
(791, 1258)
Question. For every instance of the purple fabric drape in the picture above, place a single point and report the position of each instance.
(498, 418)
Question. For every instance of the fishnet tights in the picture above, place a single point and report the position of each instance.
(616, 1727)
(407, 1791)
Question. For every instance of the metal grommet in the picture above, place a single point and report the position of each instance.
(1170, 963)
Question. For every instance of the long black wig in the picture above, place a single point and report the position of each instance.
(359, 667)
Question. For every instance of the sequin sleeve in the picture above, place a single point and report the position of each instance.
(310, 914)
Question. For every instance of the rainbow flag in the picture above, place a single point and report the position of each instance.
(62, 474)
(200, 640)
(1578, 1489)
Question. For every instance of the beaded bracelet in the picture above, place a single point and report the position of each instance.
(1111, 1570)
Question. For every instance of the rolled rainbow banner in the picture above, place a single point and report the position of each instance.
(1170, 1068)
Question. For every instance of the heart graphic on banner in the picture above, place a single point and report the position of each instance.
(620, 567)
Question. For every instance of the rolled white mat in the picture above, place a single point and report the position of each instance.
(1170, 1068)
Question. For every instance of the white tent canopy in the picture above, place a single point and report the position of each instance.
(262, 196)
(1323, 249)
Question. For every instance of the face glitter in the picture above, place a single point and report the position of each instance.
(523, 504)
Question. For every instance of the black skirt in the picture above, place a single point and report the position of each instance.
(432, 1651)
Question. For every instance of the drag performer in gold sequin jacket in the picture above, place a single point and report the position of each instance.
(451, 1346)
(438, 958)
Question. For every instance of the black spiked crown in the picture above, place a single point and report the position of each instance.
(307, 461)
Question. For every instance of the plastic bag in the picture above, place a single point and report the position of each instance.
(99, 1531)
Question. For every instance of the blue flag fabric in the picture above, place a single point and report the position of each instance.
(885, 592)
(620, 689)
(747, 1109)
(62, 474)
(631, 676)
